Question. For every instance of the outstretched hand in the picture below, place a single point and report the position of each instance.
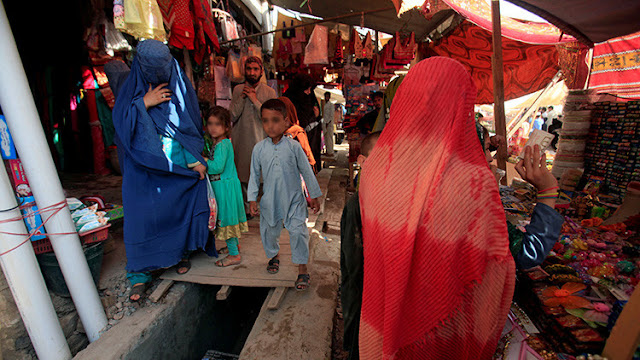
(157, 95)
(533, 168)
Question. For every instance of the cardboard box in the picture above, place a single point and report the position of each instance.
(7, 149)
(18, 178)
(32, 220)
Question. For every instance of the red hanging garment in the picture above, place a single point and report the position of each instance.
(99, 158)
(404, 50)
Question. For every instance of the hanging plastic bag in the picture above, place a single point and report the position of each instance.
(317, 50)
(234, 68)
(255, 50)
(213, 206)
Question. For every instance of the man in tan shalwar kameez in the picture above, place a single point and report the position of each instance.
(247, 125)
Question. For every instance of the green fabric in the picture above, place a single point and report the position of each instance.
(104, 113)
(138, 277)
(516, 237)
(352, 270)
(390, 92)
(228, 191)
(232, 246)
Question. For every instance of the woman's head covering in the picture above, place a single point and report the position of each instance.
(438, 274)
(179, 118)
(291, 110)
(156, 62)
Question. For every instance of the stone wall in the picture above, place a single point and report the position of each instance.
(14, 339)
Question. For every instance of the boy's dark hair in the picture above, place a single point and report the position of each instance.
(550, 107)
(223, 115)
(377, 94)
(327, 93)
(275, 105)
(369, 142)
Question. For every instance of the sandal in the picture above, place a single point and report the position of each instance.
(274, 266)
(228, 262)
(303, 281)
(183, 264)
(223, 250)
(139, 289)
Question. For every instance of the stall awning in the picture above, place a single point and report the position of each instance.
(590, 21)
(527, 68)
(386, 21)
(615, 67)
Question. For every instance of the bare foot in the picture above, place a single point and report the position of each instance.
(229, 261)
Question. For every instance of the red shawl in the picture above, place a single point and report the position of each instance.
(438, 275)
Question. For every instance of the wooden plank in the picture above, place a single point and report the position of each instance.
(161, 290)
(498, 87)
(276, 298)
(223, 293)
(625, 335)
(246, 282)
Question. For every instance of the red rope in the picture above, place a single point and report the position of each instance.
(56, 207)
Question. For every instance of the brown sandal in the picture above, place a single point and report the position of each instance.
(222, 263)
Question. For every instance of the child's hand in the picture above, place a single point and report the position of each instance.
(533, 169)
(314, 204)
(254, 209)
(201, 169)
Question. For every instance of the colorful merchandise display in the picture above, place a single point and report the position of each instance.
(570, 303)
(614, 145)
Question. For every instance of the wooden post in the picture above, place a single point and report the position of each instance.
(625, 335)
(498, 87)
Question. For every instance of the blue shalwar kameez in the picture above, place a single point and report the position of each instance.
(283, 202)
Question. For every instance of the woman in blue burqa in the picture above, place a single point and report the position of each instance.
(159, 134)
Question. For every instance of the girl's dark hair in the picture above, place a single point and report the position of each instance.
(223, 115)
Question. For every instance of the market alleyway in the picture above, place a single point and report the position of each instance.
(306, 325)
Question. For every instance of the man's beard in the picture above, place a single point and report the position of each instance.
(253, 80)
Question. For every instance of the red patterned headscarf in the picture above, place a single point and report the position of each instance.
(438, 274)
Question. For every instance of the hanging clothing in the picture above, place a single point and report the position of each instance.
(140, 19)
(165, 203)
(435, 286)
(224, 180)
(247, 126)
(296, 132)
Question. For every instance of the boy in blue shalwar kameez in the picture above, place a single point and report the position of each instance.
(280, 161)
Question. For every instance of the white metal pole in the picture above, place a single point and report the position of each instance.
(21, 270)
(26, 129)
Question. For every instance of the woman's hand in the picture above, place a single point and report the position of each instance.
(533, 169)
(156, 96)
(202, 170)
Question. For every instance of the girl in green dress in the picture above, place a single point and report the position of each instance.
(232, 220)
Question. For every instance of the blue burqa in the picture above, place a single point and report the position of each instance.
(165, 205)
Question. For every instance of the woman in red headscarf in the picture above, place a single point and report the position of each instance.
(295, 131)
(438, 274)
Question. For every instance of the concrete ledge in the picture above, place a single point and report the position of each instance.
(163, 331)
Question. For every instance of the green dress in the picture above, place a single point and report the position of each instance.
(232, 220)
